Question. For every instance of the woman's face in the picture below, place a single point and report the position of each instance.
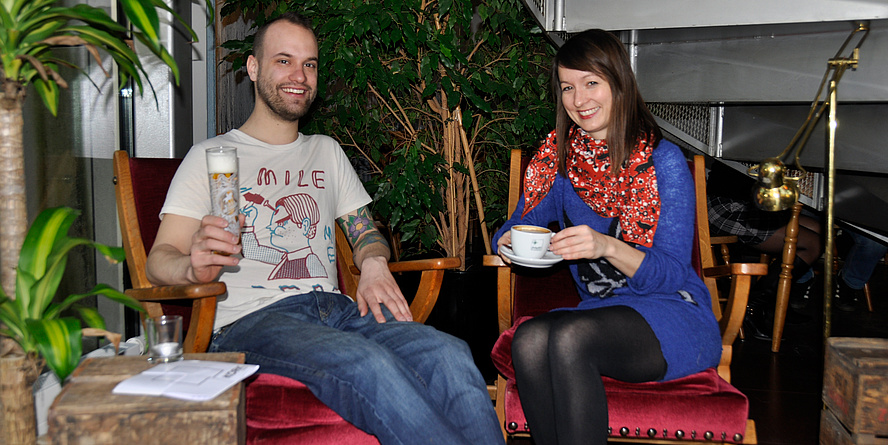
(587, 99)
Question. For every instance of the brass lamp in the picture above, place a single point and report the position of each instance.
(775, 191)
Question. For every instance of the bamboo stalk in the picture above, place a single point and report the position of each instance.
(470, 162)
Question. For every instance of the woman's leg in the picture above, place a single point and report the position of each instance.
(559, 359)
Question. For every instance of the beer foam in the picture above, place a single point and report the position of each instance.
(221, 162)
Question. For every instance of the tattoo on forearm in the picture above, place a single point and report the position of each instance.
(369, 238)
(360, 230)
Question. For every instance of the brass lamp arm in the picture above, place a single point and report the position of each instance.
(837, 66)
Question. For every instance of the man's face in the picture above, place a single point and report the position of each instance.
(286, 73)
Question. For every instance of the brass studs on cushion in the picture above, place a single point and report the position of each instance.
(512, 426)
(738, 438)
(652, 432)
(624, 431)
(708, 435)
(679, 434)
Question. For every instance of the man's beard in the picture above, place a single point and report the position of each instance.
(269, 95)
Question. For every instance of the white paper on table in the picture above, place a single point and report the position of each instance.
(196, 380)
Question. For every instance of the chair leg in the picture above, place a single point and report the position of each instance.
(500, 406)
(789, 253)
(869, 298)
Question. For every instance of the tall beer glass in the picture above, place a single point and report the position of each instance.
(224, 188)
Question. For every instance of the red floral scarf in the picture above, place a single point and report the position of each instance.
(632, 196)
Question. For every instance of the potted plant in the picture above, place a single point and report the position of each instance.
(30, 31)
(40, 326)
(428, 97)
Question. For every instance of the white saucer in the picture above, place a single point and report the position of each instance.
(547, 260)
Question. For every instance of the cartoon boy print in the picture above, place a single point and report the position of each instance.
(293, 224)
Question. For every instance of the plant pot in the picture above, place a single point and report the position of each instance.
(466, 309)
(19, 372)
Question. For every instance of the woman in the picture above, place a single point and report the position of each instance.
(624, 200)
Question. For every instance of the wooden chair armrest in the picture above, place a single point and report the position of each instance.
(178, 292)
(417, 265)
(735, 308)
(493, 260)
(429, 282)
(203, 308)
(736, 269)
(728, 239)
(429, 264)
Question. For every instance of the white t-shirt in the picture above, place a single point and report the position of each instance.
(291, 195)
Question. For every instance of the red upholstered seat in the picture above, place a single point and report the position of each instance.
(281, 410)
(696, 405)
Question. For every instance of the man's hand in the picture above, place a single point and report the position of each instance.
(190, 251)
(378, 287)
(212, 248)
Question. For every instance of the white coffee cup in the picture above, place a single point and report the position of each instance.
(530, 241)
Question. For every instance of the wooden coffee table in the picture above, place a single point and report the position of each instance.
(86, 412)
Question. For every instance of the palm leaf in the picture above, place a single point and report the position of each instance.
(100, 289)
(143, 15)
(165, 56)
(49, 226)
(48, 91)
(45, 288)
(91, 317)
(59, 342)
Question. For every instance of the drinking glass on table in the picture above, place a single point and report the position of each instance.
(164, 338)
(224, 188)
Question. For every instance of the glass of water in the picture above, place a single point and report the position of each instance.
(164, 338)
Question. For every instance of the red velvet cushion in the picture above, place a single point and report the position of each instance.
(501, 355)
(695, 405)
(282, 411)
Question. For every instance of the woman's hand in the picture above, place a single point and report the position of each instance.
(581, 242)
(504, 240)
(578, 242)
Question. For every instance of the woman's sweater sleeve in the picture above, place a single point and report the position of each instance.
(541, 215)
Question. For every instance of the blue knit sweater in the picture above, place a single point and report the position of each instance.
(665, 290)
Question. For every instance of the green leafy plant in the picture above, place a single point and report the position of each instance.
(428, 97)
(33, 319)
(30, 31)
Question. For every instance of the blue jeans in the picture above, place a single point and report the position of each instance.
(404, 382)
(861, 260)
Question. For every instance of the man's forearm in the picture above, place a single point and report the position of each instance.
(167, 266)
(371, 244)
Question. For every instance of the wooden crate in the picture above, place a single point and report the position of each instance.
(832, 432)
(855, 384)
(86, 412)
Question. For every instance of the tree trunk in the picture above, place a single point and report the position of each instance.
(13, 208)
(19, 373)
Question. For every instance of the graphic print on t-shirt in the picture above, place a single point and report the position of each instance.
(292, 225)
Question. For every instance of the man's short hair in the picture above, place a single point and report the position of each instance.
(290, 17)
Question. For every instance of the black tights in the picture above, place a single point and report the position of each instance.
(559, 359)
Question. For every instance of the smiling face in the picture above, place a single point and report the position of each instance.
(286, 71)
(588, 100)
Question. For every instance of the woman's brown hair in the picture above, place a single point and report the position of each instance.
(600, 52)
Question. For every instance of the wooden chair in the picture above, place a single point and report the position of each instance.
(787, 260)
(654, 412)
(279, 410)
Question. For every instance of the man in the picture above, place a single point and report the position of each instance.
(402, 381)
